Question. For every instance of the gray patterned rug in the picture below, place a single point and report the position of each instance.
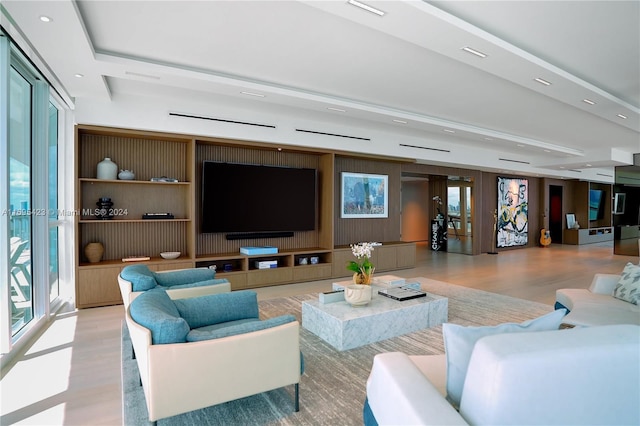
(332, 389)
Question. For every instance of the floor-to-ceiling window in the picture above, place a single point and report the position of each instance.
(30, 123)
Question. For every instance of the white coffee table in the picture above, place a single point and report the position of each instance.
(346, 327)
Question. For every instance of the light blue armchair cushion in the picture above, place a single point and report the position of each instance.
(183, 276)
(154, 310)
(236, 327)
(218, 308)
(197, 284)
(141, 278)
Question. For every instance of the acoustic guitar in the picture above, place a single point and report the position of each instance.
(545, 237)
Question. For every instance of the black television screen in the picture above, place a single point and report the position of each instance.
(596, 204)
(257, 198)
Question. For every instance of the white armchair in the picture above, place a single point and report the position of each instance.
(179, 284)
(236, 356)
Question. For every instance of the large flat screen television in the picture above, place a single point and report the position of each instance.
(596, 204)
(257, 198)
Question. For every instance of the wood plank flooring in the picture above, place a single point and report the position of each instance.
(71, 374)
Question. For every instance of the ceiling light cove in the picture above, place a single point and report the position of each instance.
(474, 52)
(542, 81)
(366, 7)
(258, 95)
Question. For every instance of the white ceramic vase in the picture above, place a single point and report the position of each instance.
(357, 294)
(107, 169)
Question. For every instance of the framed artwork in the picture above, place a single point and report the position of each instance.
(364, 195)
(513, 212)
(571, 220)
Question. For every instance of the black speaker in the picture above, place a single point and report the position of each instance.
(251, 235)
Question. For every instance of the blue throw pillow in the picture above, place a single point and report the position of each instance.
(183, 276)
(217, 308)
(459, 342)
(154, 310)
(140, 276)
(242, 328)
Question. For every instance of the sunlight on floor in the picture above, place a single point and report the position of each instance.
(41, 399)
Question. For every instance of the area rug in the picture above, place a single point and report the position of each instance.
(332, 389)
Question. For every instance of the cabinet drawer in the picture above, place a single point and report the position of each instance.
(261, 277)
(311, 272)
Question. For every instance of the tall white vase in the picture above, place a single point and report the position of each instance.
(107, 169)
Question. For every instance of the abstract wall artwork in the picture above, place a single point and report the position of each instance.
(364, 195)
(513, 206)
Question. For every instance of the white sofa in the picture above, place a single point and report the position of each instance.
(572, 376)
(596, 305)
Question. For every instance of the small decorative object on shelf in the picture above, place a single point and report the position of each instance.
(363, 268)
(170, 254)
(94, 252)
(107, 169)
(105, 208)
(314, 260)
(126, 175)
(135, 258)
(163, 179)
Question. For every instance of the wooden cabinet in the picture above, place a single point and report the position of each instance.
(307, 256)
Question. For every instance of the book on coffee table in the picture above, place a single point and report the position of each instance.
(402, 293)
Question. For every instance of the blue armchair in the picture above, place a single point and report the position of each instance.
(179, 284)
(202, 351)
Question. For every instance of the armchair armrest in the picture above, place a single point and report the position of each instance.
(604, 283)
(398, 393)
(183, 276)
(220, 370)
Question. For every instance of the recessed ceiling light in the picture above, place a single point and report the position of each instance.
(448, 130)
(366, 7)
(259, 95)
(44, 18)
(542, 81)
(588, 101)
(624, 117)
(562, 167)
(79, 75)
(474, 52)
(400, 121)
(336, 109)
(588, 165)
(547, 150)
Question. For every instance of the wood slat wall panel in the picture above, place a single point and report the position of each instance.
(139, 238)
(169, 157)
(348, 231)
(217, 243)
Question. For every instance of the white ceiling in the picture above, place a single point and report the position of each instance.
(406, 65)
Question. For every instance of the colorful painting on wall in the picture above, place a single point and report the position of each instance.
(364, 195)
(513, 207)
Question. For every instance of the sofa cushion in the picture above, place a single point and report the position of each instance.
(459, 342)
(141, 278)
(218, 308)
(183, 276)
(628, 288)
(237, 327)
(154, 310)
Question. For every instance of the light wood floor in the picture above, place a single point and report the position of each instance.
(71, 374)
